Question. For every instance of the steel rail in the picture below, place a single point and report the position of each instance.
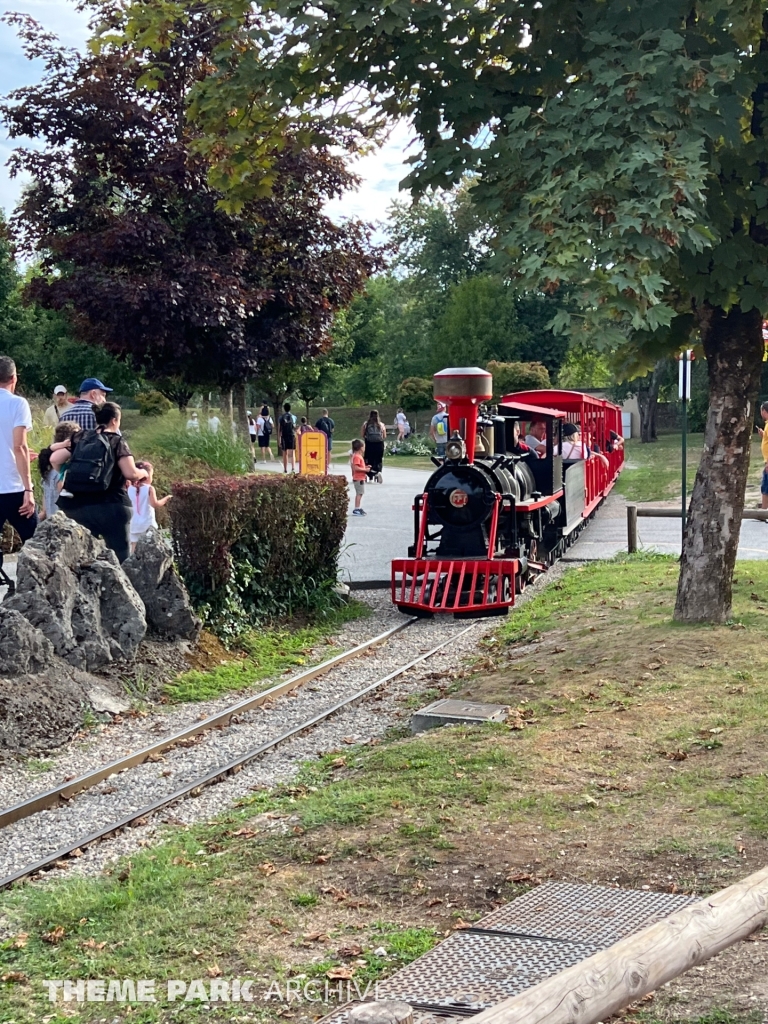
(67, 790)
(222, 771)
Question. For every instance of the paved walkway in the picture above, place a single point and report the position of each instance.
(373, 540)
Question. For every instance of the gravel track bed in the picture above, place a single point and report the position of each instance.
(32, 839)
(111, 740)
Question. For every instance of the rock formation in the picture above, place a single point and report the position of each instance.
(71, 587)
(151, 571)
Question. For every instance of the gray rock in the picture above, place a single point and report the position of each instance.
(40, 711)
(23, 648)
(151, 570)
(71, 587)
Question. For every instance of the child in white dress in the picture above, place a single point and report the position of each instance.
(144, 501)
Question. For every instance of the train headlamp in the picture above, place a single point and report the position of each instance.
(455, 449)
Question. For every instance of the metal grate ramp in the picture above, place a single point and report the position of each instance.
(533, 937)
(590, 914)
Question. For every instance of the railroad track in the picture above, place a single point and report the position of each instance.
(65, 795)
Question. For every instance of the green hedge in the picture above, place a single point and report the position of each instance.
(254, 548)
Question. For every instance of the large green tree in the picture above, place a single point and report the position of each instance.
(619, 146)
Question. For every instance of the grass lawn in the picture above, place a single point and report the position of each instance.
(262, 654)
(635, 755)
(653, 472)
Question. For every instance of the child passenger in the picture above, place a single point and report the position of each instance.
(360, 471)
(144, 501)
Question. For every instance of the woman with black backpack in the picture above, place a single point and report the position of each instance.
(374, 434)
(98, 463)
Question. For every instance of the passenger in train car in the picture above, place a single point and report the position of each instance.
(536, 438)
(574, 448)
(615, 441)
(519, 447)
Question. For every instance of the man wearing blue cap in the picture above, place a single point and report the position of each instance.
(92, 392)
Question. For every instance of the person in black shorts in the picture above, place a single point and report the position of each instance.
(287, 426)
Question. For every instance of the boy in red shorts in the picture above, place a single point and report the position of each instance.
(360, 470)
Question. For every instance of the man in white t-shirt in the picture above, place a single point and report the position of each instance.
(213, 424)
(17, 499)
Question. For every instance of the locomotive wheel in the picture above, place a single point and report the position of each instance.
(520, 582)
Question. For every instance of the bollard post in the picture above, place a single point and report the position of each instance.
(384, 1011)
(631, 529)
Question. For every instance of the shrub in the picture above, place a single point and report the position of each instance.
(415, 393)
(254, 548)
(411, 446)
(220, 451)
(152, 403)
(509, 377)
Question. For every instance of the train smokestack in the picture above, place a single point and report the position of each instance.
(462, 389)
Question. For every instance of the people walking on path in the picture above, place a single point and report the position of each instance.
(374, 434)
(253, 433)
(401, 421)
(92, 393)
(438, 430)
(287, 425)
(214, 423)
(17, 498)
(264, 427)
(360, 473)
(50, 476)
(60, 405)
(99, 463)
(327, 426)
(144, 500)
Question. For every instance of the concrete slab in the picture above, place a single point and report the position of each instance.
(456, 712)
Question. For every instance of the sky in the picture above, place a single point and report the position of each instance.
(381, 171)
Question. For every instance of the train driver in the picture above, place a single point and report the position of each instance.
(536, 438)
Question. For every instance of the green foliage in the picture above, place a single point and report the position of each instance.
(509, 377)
(416, 393)
(585, 368)
(411, 446)
(479, 323)
(219, 451)
(253, 548)
(152, 403)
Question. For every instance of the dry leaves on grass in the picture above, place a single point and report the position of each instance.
(214, 971)
(21, 940)
(93, 944)
(14, 976)
(347, 951)
(267, 868)
(340, 973)
(55, 935)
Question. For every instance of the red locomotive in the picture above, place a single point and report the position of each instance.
(496, 512)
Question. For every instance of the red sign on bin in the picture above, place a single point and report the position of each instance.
(313, 453)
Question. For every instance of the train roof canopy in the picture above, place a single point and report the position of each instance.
(570, 401)
(511, 403)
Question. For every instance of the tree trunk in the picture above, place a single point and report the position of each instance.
(226, 409)
(241, 414)
(733, 345)
(206, 407)
(648, 403)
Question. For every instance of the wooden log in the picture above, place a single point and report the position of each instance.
(384, 1011)
(631, 529)
(611, 979)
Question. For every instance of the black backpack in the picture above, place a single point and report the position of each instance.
(267, 425)
(286, 423)
(92, 464)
